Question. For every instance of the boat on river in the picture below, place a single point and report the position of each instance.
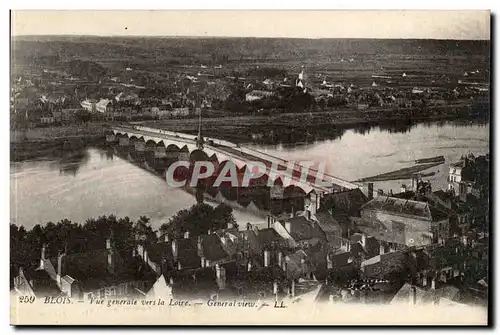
(430, 160)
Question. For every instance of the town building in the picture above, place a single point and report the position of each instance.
(403, 221)
(95, 274)
(299, 232)
(258, 95)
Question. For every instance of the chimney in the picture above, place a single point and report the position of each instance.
(221, 276)
(280, 258)
(43, 256)
(111, 261)
(370, 191)
(267, 257)
(174, 249)
(329, 263)
(202, 262)
(60, 265)
(111, 256)
(413, 295)
(186, 234)
(275, 289)
(145, 256)
(288, 226)
(199, 245)
(44, 250)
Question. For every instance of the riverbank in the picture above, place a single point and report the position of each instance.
(46, 142)
(299, 127)
(404, 173)
(284, 128)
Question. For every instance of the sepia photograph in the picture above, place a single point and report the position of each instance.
(250, 167)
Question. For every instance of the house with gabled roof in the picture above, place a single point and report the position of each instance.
(299, 231)
(36, 282)
(407, 222)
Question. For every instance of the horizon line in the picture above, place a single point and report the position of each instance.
(255, 37)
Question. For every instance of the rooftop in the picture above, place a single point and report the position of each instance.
(303, 229)
(349, 201)
(269, 238)
(212, 248)
(399, 206)
(41, 283)
(425, 295)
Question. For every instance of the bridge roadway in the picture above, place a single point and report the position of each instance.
(241, 154)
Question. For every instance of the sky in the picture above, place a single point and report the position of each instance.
(298, 24)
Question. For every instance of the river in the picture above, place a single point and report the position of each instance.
(98, 183)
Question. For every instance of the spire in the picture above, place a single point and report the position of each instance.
(300, 79)
(199, 143)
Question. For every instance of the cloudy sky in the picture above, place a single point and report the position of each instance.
(303, 24)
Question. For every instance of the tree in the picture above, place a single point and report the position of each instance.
(143, 228)
(198, 220)
(83, 116)
(322, 104)
(223, 216)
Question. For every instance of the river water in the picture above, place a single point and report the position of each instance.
(97, 183)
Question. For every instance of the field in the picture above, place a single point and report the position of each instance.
(338, 60)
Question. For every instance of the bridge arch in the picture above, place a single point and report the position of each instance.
(293, 197)
(173, 148)
(150, 145)
(198, 155)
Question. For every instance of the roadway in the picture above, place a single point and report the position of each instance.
(246, 154)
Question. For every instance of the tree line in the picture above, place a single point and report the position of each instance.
(70, 237)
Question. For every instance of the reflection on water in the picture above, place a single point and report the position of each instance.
(363, 152)
(287, 136)
(94, 182)
(70, 163)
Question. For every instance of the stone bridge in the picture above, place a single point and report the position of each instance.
(180, 146)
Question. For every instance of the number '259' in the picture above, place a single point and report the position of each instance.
(27, 299)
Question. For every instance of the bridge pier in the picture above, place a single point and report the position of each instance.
(124, 141)
(159, 149)
(160, 152)
(110, 138)
(140, 146)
